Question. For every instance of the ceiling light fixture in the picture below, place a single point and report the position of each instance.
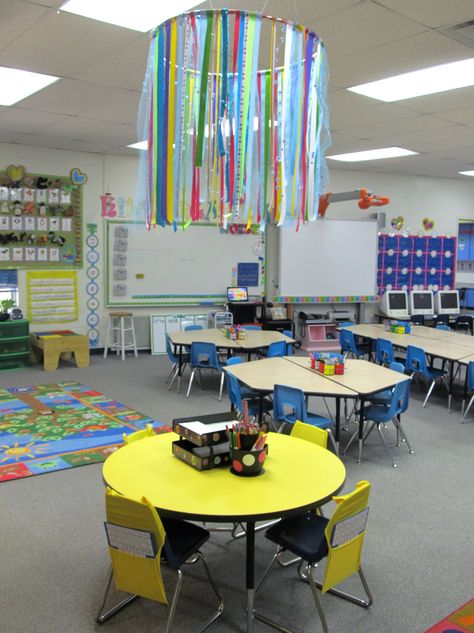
(373, 154)
(139, 145)
(420, 82)
(139, 15)
(467, 173)
(16, 84)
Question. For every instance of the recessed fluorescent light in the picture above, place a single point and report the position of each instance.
(426, 81)
(467, 173)
(16, 85)
(373, 154)
(140, 15)
(139, 145)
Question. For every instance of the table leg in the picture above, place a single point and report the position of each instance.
(361, 429)
(260, 408)
(451, 381)
(250, 573)
(464, 398)
(337, 424)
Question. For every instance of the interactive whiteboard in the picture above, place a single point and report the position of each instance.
(190, 267)
(335, 260)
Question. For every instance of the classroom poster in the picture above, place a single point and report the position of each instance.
(51, 296)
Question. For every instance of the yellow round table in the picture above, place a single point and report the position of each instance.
(298, 476)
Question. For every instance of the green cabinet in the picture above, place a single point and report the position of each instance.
(14, 344)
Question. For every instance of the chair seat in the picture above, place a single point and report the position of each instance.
(383, 397)
(435, 373)
(254, 404)
(183, 539)
(302, 535)
(377, 413)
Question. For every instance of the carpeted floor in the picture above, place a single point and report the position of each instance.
(45, 428)
(418, 555)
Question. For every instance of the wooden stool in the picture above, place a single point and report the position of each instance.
(121, 323)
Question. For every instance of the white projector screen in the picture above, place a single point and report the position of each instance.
(329, 258)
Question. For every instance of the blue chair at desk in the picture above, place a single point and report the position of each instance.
(236, 397)
(204, 356)
(416, 365)
(348, 344)
(175, 360)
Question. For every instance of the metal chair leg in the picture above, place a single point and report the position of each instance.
(467, 409)
(429, 393)
(398, 424)
(319, 606)
(347, 596)
(384, 441)
(220, 607)
(172, 370)
(353, 437)
(222, 386)
(102, 617)
(190, 383)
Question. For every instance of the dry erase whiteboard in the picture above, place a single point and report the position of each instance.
(163, 267)
(329, 258)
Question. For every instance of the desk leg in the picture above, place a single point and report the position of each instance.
(338, 424)
(180, 365)
(250, 573)
(464, 395)
(451, 382)
(361, 429)
(260, 408)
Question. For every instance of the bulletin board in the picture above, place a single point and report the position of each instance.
(416, 263)
(190, 267)
(40, 219)
(51, 296)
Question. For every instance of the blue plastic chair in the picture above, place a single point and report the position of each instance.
(236, 397)
(204, 356)
(470, 387)
(289, 346)
(380, 414)
(289, 405)
(252, 327)
(190, 328)
(384, 354)
(245, 392)
(174, 358)
(384, 397)
(278, 348)
(416, 365)
(348, 344)
(443, 326)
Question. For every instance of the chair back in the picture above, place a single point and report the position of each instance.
(347, 342)
(204, 355)
(345, 534)
(310, 433)
(252, 327)
(417, 319)
(135, 570)
(442, 318)
(288, 404)
(396, 366)
(470, 376)
(139, 435)
(289, 346)
(190, 328)
(346, 323)
(233, 389)
(463, 323)
(384, 351)
(416, 359)
(169, 350)
(278, 348)
(233, 360)
(443, 326)
(401, 397)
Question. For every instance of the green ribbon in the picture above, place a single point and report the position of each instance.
(203, 93)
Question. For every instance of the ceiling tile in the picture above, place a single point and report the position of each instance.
(463, 115)
(78, 128)
(63, 44)
(347, 119)
(124, 68)
(433, 13)
(27, 121)
(441, 101)
(16, 18)
(121, 110)
(73, 97)
(362, 26)
(397, 127)
(341, 99)
(392, 58)
(440, 137)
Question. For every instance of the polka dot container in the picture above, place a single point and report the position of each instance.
(247, 463)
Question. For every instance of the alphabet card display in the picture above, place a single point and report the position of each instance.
(40, 219)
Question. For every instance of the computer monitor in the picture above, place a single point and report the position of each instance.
(421, 302)
(446, 302)
(237, 294)
(394, 304)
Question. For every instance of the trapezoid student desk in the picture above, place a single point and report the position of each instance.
(262, 376)
(299, 476)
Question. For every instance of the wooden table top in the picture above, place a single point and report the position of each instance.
(264, 374)
(360, 375)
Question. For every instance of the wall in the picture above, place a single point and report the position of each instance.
(414, 197)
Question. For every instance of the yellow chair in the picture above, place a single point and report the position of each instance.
(310, 433)
(339, 539)
(138, 542)
(148, 431)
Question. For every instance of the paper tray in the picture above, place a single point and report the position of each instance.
(183, 450)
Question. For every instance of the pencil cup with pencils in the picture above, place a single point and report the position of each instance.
(248, 449)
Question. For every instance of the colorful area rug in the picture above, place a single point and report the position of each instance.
(53, 427)
(460, 621)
